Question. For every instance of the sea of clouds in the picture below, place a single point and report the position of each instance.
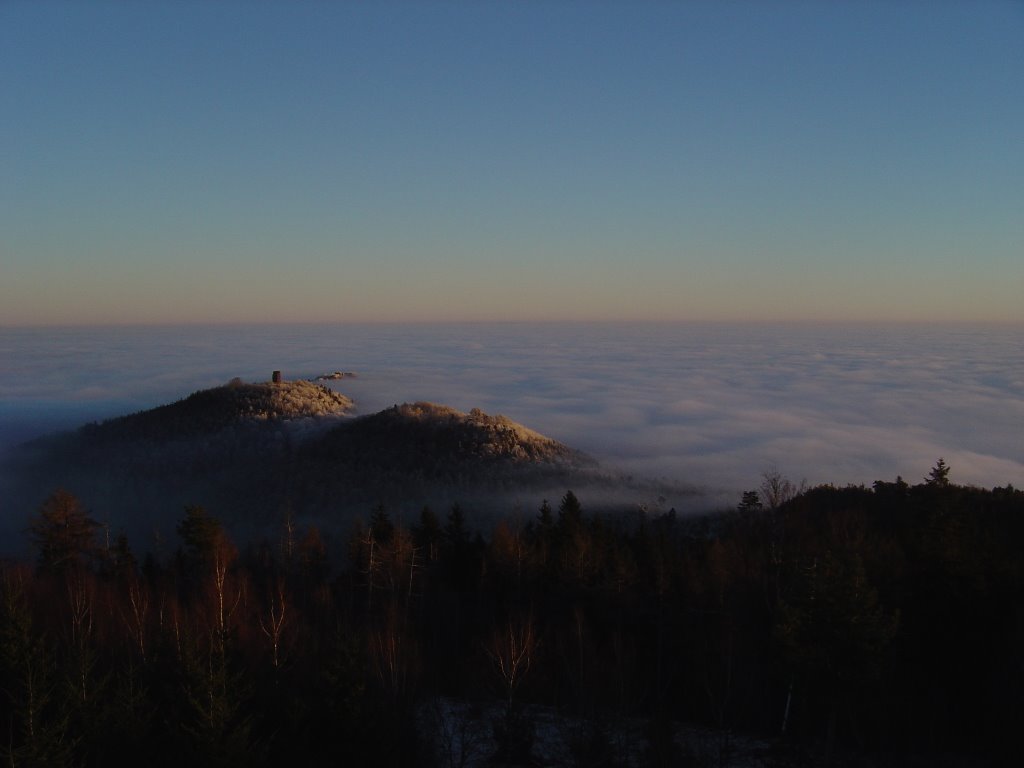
(711, 406)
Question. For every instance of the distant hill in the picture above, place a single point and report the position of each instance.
(212, 410)
(248, 451)
(425, 436)
(422, 451)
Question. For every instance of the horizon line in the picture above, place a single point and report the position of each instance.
(752, 321)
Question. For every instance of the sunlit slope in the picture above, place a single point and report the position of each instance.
(421, 436)
(212, 410)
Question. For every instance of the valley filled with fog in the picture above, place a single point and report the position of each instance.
(710, 406)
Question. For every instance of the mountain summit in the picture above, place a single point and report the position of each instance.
(236, 403)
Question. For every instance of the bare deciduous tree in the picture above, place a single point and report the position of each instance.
(273, 624)
(776, 488)
(511, 650)
(80, 605)
(138, 604)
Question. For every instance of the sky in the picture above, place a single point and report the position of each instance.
(456, 161)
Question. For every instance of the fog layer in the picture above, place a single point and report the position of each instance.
(708, 405)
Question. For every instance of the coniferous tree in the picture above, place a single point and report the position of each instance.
(64, 535)
(37, 721)
(427, 534)
(939, 474)
(455, 530)
(545, 519)
(751, 502)
(570, 514)
(200, 533)
(381, 526)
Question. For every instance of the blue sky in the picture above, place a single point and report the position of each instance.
(196, 162)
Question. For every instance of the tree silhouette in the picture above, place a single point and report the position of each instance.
(37, 722)
(751, 502)
(200, 533)
(776, 488)
(939, 474)
(64, 535)
(455, 530)
(570, 514)
(381, 526)
(427, 535)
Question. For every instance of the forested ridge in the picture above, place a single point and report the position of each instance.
(845, 626)
(249, 450)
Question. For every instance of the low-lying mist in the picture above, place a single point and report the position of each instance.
(694, 406)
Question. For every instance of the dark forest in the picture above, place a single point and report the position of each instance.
(836, 626)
